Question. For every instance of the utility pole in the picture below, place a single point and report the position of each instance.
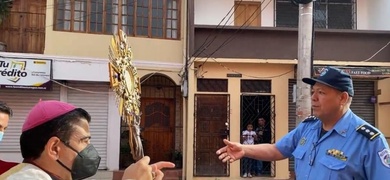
(305, 39)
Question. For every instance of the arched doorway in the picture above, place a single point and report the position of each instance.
(158, 102)
(161, 117)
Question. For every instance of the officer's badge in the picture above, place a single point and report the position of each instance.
(324, 71)
(385, 157)
(337, 154)
(302, 141)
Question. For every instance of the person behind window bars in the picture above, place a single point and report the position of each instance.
(248, 138)
(333, 144)
(261, 133)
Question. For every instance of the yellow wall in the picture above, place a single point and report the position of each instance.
(279, 74)
(172, 74)
(96, 46)
(383, 107)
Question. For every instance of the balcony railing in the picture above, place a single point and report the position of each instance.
(23, 32)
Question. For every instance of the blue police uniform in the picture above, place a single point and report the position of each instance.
(352, 150)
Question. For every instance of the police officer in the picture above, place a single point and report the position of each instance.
(333, 144)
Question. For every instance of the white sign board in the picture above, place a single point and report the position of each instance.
(25, 73)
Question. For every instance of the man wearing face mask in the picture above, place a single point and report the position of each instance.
(55, 145)
(5, 114)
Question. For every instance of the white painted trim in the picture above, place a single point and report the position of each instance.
(63, 94)
(295, 61)
(113, 133)
(93, 69)
(351, 63)
(258, 61)
(137, 62)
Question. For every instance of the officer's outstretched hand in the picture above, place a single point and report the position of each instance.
(231, 152)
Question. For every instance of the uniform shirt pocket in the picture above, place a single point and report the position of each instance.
(333, 163)
(299, 155)
(334, 168)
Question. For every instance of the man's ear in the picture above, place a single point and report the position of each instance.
(53, 147)
(344, 98)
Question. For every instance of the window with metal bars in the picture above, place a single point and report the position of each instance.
(141, 18)
(255, 86)
(328, 14)
(212, 85)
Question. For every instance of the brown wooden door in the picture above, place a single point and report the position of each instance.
(210, 117)
(158, 124)
(24, 29)
(34, 29)
(10, 28)
(247, 13)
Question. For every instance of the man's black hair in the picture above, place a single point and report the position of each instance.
(33, 141)
(4, 108)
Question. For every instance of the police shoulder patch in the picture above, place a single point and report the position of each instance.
(384, 155)
(310, 119)
(368, 131)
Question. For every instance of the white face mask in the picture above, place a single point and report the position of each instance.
(1, 135)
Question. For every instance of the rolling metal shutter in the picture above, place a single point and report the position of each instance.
(96, 103)
(291, 114)
(361, 105)
(21, 101)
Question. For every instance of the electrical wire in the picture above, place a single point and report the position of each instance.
(231, 37)
(251, 76)
(78, 89)
(206, 44)
(381, 49)
(88, 91)
(312, 55)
